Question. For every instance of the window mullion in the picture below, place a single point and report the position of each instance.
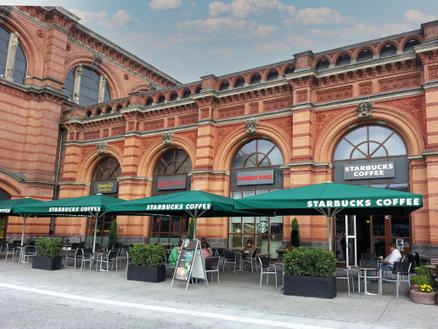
(10, 57)
(101, 92)
(77, 84)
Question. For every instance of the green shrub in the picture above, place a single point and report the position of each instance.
(422, 276)
(147, 255)
(48, 247)
(315, 262)
(295, 239)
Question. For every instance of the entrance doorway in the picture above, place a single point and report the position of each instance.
(373, 234)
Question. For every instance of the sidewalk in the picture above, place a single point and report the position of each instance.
(237, 295)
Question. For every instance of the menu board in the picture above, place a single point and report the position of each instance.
(190, 263)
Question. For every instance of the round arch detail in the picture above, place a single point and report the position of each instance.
(238, 137)
(403, 125)
(147, 163)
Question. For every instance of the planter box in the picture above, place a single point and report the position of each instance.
(310, 286)
(47, 263)
(427, 298)
(146, 274)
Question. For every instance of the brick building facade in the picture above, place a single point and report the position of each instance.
(87, 116)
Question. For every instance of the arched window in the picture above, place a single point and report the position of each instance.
(410, 44)
(374, 156)
(174, 162)
(149, 101)
(173, 166)
(239, 82)
(224, 85)
(365, 55)
(272, 75)
(322, 65)
(256, 78)
(92, 87)
(18, 65)
(387, 50)
(161, 99)
(259, 157)
(289, 70)
(173, 96)
(104, 180)
(344, 59)
(187, 93)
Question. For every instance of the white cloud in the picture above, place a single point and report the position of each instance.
(245, 8)
(102, 18)
(319, 16)
(211, 25)
(165, 4)
(262, 31)
(417, 16)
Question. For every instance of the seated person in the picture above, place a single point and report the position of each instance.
(205, 250)
(394, 256)
(249, 247)
(208, 246)
(174, 254)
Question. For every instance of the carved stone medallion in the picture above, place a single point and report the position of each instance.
(251, 126)
(364, 110)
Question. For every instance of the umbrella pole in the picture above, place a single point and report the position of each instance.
(22, 232)
(95, 232)
(330, 242)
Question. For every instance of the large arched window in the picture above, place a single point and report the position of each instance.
(12, 59)
(104, 181)
(257, 158)
(170, 175)
(86, 87)
(376, 156)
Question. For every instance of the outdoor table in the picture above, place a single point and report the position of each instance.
(99, 255)
(363, 274)
(239, 251)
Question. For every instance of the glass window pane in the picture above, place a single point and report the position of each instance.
(343, 150)
(248, 225)
(357, 136)
(379, 247)
(235, 240)
(379, 134)
(395, 145)
(379, 225)
(381, 152)
(400, 227)
(276, 157)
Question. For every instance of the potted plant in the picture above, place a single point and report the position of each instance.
(48, 254)
(147, 263)
(112, 238)
(310, 272)
(422, 289)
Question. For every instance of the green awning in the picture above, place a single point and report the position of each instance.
(9, 207)
(328, 198)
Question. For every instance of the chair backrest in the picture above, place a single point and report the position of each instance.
(230, 255)
(264, 261)
(219, 252)
(10, 246)
(29, 249)
(401, 267)
(212, 263)
(87, 252)
(368, 260)
(113, 253)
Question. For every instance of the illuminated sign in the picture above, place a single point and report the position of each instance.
(105, 187)
(176, 182)
(369, 170)
(255, 177)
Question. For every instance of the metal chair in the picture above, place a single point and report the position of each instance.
(211, 266)
(250, 258)
(401, 273)
(87, 256)
(10, 250)
(74, 255)
(109, 259)
(29, 251)
(230, 259)
(266, 268)
(345, 273)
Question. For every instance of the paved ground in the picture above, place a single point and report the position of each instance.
(31, 298)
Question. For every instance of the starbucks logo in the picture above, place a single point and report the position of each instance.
(262, 227)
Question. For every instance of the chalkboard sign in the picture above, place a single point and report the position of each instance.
(190, 263)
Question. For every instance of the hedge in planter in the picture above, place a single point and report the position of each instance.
(310, 272)
(146, 263)
(48, 254)
(423, 287)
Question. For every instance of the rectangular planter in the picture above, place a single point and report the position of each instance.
(146, 274)
(47, 263)
(309, 286)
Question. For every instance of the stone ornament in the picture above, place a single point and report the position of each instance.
(167, 138)
(364, 110)
(251, 126)
(101, 147)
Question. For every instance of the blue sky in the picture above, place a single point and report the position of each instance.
(188, 39)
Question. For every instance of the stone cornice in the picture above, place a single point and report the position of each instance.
(28, 88)
(143, 179)
(307, 163)
(430, 84)
(430, 153)
(210, 172)
(74, 183)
